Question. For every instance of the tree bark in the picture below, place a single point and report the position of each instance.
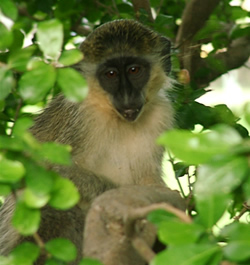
(142, 4)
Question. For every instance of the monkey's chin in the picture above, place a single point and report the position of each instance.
(130, 115)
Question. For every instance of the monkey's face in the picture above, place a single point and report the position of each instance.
(124, 79)
(131, 63)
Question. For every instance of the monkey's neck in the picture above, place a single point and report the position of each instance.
(122, 151)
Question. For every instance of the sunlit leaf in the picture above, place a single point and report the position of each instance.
(5, 37)
(62, 249)
(196, 148)
(19, 58)
(35, 200)
(25, 219)
(6, 82)
(34, 85)
(189, 254)
(4, 189)
(178, 233)
(38, 179)
(50, 38)
(25, 254)
(215, 181)
(64, 195)
(238, 246)
(70, 57)
(9, 9)
(72, 84)
(11, 171)
(56, 153)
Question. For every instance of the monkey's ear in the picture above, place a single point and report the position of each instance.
(165, 54)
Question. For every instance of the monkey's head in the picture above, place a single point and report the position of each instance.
(131, 63)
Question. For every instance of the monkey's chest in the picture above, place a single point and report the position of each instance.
(124, 161)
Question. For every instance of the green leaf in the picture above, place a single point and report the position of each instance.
(238, 12)
(189, 254)
(5, 37)
(38, 179)
(56, 153)
(11, 171)
(22, 125)
(224, 115)
(10, 143)
(50, 38)
(247, 113)
(4, 190)
(72, 84)
(178, 233)
(6, 82)
(18, 39)
(62, 249)
(70, 57)
(212, 199)
(180, 169)
(211, 208)
(25, 254)
(19, 58)
(246, 188)
(6, 261)
(25, 219)
(88, 261)
(35, 84)
(53, 261)
(35, 200)
(64, 195)
(240, 31)
(200, 148)
(209, 29)
(9, 9)
(159, 216)
(238, 245)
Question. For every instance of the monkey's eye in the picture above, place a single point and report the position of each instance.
(111, 74)
(134, 70)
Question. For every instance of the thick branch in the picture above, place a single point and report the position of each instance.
(142, 4)
(194, 18)
(235, 56)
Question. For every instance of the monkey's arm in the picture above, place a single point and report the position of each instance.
(89, 185)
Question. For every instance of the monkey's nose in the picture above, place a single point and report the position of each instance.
(131, 114)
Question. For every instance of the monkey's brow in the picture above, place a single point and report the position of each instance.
(125, 60)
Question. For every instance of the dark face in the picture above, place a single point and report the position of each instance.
(124, 78)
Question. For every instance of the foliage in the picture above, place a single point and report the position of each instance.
(38, 42)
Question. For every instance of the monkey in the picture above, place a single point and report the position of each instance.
(112, 132)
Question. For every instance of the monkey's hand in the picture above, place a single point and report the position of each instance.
(116, 224)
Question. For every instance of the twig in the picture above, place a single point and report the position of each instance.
(39, 240)
(245, 209)
(171, 160)
(16, 115)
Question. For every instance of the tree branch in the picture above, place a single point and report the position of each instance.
(142, 4)
(235, 56)
(194, 17)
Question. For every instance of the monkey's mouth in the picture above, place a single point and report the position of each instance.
(130, 114)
